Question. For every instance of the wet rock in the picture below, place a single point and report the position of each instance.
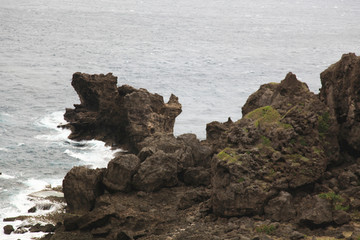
(120, 171)
(118, 115)
(32, 210)
(158, 170)
(81, 187)
(21, 230)
(8, 229)
(45, 206)
(40, 228)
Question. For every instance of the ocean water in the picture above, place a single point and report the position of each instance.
(211, 54)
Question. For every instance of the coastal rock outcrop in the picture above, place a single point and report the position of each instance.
(121, 116)
(289, 168)
(341, 92)
(284, 141)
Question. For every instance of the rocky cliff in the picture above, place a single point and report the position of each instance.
(120, 116)
(289, 169)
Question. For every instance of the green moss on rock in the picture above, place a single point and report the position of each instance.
(230, 155)
(264, 115)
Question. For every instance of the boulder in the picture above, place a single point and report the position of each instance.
(81, 187)
(118, 115)
(235, 193)
(201, 152)
(8, 229)
(286, 144)
(281, 208)
(157, 171)
(119, 173)
(315, 212)
(188, 151)
(340, 91)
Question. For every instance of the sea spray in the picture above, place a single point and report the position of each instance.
(28, 193)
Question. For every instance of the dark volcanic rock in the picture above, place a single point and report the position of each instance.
(340, 91)
(275, 173)
(8, 229)
(120, 171)
(197, 176)
(281, 208)
(216, 134)
(287, 143)
(81, 186)
(315, 211)
(123, 115)
(158, 170)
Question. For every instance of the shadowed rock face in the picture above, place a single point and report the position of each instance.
(118, 115)
(341, 92)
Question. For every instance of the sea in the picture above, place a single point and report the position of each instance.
(212, 54)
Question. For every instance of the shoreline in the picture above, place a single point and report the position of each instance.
(42, 218)
(288, 169)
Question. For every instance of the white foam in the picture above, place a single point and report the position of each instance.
(93, 153)
(5, 176)
(21, 203)
(4, 149)
(52, 121)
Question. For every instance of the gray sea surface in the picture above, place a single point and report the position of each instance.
(211, 54)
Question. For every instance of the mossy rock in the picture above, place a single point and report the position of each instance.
(264, 115)
(230, 155)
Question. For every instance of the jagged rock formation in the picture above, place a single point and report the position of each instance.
(289, 168)
(284, 141)
(341, 93)
(121, 116)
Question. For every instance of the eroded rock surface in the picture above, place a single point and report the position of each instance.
(118, 115)
(282, 145)
(81, 187)
(289, 168)
(341, 92)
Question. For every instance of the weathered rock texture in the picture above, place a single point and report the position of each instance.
(119, 173)
(118, 115)
(289, 168)
(341, 93)
(81, 187)
(284, 141)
